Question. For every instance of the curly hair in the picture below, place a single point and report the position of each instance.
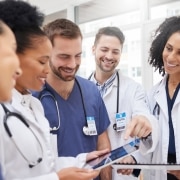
(62, 27)
(110, 31)
(24, 20)
(162, 34)
(1, 27)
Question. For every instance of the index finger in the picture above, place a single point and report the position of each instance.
(130, 127)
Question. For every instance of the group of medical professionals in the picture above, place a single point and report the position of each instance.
(53, 121)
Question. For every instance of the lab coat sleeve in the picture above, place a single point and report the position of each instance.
(149, 144)
(64, 162)
(140, 106)
(141, 158)
(51, 176)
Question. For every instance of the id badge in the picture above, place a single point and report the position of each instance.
(120, 121)
(91, 126)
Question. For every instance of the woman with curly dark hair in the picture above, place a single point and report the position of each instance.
(164, 98)
(25, 147)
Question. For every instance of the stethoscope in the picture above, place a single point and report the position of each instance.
(117, 100)
(156, 110)
(9, 114)
(42, 95)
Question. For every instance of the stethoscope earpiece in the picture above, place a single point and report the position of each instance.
(86, 130)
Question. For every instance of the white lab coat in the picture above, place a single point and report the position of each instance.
(14, 166)
(158, 94)
(132, 101)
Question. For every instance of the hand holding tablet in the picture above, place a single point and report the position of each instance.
(113, 156)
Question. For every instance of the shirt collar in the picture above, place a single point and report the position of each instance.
(106, 85)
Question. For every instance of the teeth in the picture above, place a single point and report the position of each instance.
(172, 65)
(109, 62)
(68, 70)
(42, 79)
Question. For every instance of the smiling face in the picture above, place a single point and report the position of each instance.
(9, 64)
(35, 65)
(171, 55)
(66, 57)
(107, 52)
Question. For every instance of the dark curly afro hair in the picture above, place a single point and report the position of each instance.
(24, 20)
(168, 27)
(19, 14)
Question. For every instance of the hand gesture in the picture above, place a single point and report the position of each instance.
(139, 126)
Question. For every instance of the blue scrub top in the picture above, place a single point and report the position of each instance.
(1, 178)
(170, 103)
(71, 139)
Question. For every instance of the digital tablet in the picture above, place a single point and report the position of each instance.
(113, 156)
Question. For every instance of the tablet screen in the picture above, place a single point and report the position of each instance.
(114, 155)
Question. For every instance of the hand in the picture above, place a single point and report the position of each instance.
(139, 126)
(77, 174)
(126, 160)
(175, 173)
(96, 154)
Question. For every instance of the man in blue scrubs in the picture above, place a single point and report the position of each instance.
(73, 105)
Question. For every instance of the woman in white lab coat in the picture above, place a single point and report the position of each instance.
(25, 146)
(9, 64)
(164, 98)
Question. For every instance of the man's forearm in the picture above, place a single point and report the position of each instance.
(106, 173)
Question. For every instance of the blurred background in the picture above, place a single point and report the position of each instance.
(136, 18)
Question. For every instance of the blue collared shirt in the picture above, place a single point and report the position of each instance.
(105, 86)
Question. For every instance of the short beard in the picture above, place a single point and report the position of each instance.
(58, 74)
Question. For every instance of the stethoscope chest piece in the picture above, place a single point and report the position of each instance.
(86, 130)
(115, 126)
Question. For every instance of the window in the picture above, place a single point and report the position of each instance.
(137, 30)
(165, 10)
(130, 57)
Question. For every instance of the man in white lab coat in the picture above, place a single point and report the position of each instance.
(124, 98)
